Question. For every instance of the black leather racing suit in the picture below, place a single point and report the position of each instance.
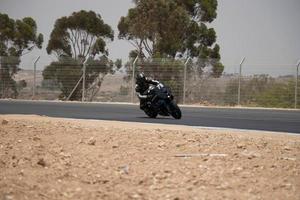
(141, 90)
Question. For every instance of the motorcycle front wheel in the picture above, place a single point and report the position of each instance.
(175, 110)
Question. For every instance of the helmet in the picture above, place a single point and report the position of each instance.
(140, 78)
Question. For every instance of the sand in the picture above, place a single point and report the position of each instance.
(55, 158)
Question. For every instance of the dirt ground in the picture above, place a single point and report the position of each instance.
(53, 158)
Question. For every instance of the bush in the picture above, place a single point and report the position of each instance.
(280, 95)
(124, 90)
(263, 91)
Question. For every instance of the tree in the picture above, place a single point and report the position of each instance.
(17, 38)
(74, 39)
(80, 35)
(173, 29)
(66, 72)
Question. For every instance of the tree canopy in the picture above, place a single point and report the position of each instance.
(17, 37)
(173, 29)
(81, 35)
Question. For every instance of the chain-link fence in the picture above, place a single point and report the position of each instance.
(191, 81)
(252, 85)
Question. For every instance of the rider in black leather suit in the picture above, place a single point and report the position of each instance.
(141, 87)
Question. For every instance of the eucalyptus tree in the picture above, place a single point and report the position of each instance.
(17, 38)
(173, 29)
(80, 37)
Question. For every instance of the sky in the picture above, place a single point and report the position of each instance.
(266, 32)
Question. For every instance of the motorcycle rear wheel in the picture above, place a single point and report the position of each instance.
(151, 114)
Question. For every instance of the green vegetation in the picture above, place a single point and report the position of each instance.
(171, 31)
(280, 95)
(164, 33)
(262, 91)
(79, 36)
(74, 39)
(66, 73)
(124, 90)
(17, 37)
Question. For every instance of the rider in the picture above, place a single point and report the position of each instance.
(142, 85)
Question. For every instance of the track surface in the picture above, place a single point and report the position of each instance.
(253, 119)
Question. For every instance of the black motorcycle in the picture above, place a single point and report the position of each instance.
(161, 103)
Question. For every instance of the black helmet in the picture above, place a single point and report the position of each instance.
(140, 78)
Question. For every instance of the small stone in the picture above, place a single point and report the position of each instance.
(241, 146)
(4, 122)
(250, 155)
(288, 186)
(8, 197)
(287, 148)
(135, 196)
(162, 144)
(35, 138)
(288, 158)
(22, 172)
(223, 186)
(52, 190)
(179, 145)
(239, 168)
(65, 155)
(273, 166)
(124, 169)
(92, 141)
(80, 141)
(41, 162)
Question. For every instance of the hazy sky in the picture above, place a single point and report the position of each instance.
(266, 32)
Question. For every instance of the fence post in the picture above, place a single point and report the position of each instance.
(2, 87)
(240, 76)
(83, 80)
(184, 78)
(296, 86)
(74, 88)
(34, 77)
(82, 76)
(133, 76)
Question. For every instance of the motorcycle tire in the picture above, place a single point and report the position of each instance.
(151, 114)
(175, 110)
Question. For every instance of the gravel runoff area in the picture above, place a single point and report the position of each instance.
(55, 158)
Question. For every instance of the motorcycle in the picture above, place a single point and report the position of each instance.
(161, 103)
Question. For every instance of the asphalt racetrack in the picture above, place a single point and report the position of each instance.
(237, 118)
